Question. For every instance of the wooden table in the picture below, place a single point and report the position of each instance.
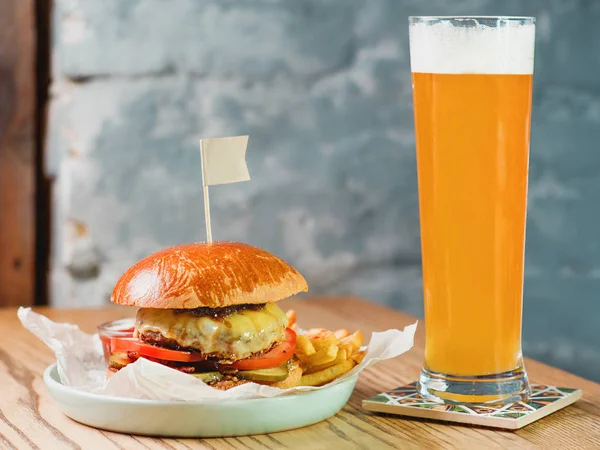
(30, 418)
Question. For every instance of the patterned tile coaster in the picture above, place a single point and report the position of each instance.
(544, 400)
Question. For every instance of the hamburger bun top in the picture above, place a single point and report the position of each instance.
(207, 275)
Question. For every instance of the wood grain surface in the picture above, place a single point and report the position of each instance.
(29, 418)
(17, 152)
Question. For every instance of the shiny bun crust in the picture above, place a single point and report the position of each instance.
(207, 275)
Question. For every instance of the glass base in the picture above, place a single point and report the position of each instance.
(506, 387)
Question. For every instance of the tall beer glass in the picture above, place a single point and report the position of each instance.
(472, 82)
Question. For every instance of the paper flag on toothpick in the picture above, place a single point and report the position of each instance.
(223, 162)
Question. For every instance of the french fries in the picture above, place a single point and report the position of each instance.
(358, 357)
(327, 375)
(304, 347)
(325, 354)
(352, 343)
(324, 341)
(341, 334)
(340, 357)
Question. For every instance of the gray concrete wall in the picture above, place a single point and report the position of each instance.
(323, 88)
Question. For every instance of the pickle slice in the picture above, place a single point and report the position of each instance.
(271, 374)
(208, 377)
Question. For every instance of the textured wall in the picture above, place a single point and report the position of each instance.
(323, 88)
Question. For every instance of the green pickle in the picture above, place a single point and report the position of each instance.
(208, 377)
(271, 374)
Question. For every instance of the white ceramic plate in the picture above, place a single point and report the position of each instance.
(195, 419)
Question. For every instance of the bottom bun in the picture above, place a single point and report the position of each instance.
(293, 379)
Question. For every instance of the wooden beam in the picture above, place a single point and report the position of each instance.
(17, 152)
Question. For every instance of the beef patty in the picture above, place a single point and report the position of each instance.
(227, 335)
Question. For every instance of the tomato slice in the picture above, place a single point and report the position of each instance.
(130, 344)
(277, 356)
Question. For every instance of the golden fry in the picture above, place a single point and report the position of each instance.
(324, 340)
(294, 328)
(358, 357)
(303, 346)
(322, 356)
(341, 333)
(327, 375)
(315, 331)
(291, 315)
(352, 343)
(341, 357)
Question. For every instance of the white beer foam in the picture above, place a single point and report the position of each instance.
(444, 48)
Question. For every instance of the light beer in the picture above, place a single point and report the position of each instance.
(472, 101)
(472, 196)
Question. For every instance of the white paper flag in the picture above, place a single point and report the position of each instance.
(224, 160)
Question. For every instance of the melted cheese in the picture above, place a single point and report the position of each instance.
(236, 336)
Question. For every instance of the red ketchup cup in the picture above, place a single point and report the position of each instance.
(115, 328)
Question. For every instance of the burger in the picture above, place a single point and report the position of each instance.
(210, 310)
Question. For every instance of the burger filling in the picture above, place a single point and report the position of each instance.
(227, 334)
(223, 347)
